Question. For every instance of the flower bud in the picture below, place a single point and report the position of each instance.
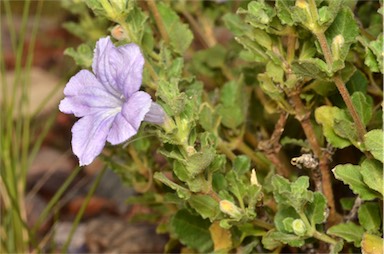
(254, 178)
(299, 227)
(118, 33)
(230, 208)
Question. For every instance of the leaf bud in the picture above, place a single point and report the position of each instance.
(299, 227)
(230, 208)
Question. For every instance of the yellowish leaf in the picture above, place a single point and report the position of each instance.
(221, 237)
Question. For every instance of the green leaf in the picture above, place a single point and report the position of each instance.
(357, 83)
(233, 104)
(283, 215)
(322, 87)
(180, 35)
(259, 14)
(345, 129)
(342, 33)
(234, 23)
(291, 239)
(326, 115)
(372, 172)
(348, 231)
(376, 57)
(96, 7)
(351, 175)
(370, 216)
(235, 185)
(174, 101)
(192, 230)
(347, 203)
(373, 141)
(275, 71)
(199, 161)
(284, 11)
(317, 209)
(269, 242)
(83, 55)
(363, 106)
(241, 164)
(136, 20)
(293, 194)
(182, 192)
(312, 68)
(207, 117)
(255, 50)
(328, 13)
(206, 206)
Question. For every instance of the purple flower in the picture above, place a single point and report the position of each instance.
(108, 102)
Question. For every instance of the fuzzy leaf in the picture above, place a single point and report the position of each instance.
(232, 108)
(351, 175)
(311, 67)
(83, 55)
(206, 206)
(241, 164)
(192, 230)
(373, 141)
(370, 216)
(372, 172)
(284, 11)
(317, 209)
(343, 32)
(326, 115)
(180, 35)
(348, 231)
(363, 106)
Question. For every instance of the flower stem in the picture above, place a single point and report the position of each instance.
(323, 237)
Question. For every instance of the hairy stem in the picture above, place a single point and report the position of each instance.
(340, 84)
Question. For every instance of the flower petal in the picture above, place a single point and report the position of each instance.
(131, 72)
(85, 95)
(127, 123)
(89, 135)
(106, 62)
(155, 114)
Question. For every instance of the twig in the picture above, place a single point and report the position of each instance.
(322, 178)
(272, 147)
(352, 214)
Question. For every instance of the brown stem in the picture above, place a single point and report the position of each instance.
(159, 22)
(197, 30)
(348, 101)
(272, 147)
(341, 86)
(322, 178)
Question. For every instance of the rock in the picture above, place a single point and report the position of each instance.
(115, 235)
